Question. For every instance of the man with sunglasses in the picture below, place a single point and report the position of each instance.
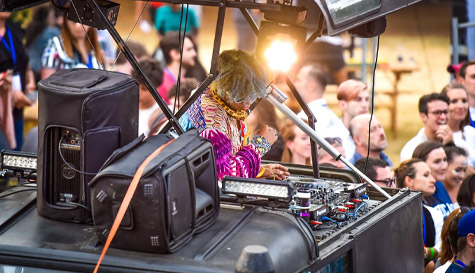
(377, 170)
(434, 113)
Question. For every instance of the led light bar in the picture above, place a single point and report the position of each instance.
(257, 187)
(18, 160)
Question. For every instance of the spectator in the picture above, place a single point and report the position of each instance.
(416, 175)
(466, 194)
(167, 18)
(46, 24)
(434, 112)
(359, 129)
(170, 46)
(448, 245)
(311, 83)
(72, 49)
(326, 158)
(456, 170)
(467, 73)
(147, 104)
(157, 118)
(187, 86)
(264, 113)
(459, 119)
(434, 155)
(465, 243)
(297, 148)
(377, 170)
(7, 130)
(122, 64)
(353, 100)
(21, 80)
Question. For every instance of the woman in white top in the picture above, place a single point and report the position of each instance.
(459, 120)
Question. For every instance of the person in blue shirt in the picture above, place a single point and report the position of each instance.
(360, 131)
(433, 154)
(465, 243)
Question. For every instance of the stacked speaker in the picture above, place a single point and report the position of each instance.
(84, 115)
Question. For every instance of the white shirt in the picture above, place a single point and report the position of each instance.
(329, 125)
(408, 149)
(466, 139)
(324, 115)
(438, 219)
(144, 116)
(472, 112)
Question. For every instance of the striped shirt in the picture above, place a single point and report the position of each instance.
(54, 56)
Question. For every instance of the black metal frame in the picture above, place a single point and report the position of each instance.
(222, 5)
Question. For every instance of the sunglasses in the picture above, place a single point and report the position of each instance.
(389, 181)
(439, 112)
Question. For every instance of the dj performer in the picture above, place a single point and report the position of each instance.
(219, 115)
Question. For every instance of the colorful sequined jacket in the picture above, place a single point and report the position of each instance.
(235, 155)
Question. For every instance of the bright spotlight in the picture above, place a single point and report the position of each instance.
(280, 55)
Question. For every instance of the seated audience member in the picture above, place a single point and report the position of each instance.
(466, 194)
(434, 113)
(456, 170)
(326, 158)
(467, 73)
(377, 170)
(122, 64)
(297, 148)
(465, 243)
(448, 247)
(147, 104)
(360, 131)
(353, 100)
(187, 86)
(219, 115)
(416, 175)
(170, 46)
(459, 119)
(264, 113)
(434, 155)
(311, 82)
(157, 118)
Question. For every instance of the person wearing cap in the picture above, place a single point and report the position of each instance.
(220, 113)
(465, 243)
(455, 69)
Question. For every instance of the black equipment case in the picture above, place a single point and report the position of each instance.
(177, 194)
(84, 115)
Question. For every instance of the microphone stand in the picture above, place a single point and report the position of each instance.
(277, 98)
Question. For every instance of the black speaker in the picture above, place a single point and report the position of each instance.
(84, 115)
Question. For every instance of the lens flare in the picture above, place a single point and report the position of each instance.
(280, 55)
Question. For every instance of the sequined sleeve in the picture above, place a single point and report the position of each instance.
(245, 163)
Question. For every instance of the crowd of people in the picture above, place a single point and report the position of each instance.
(438, 161)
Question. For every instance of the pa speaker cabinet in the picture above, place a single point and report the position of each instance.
(84, 115)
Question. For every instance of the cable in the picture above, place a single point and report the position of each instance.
(12, 193)
(79, 205)
(372, 102)
(126, 39)
(67, 164)
(182, 42)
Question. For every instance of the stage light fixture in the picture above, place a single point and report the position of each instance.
(257, 187)
(14, 160)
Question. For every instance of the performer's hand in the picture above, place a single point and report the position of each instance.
(269, 133)
(274, 171)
